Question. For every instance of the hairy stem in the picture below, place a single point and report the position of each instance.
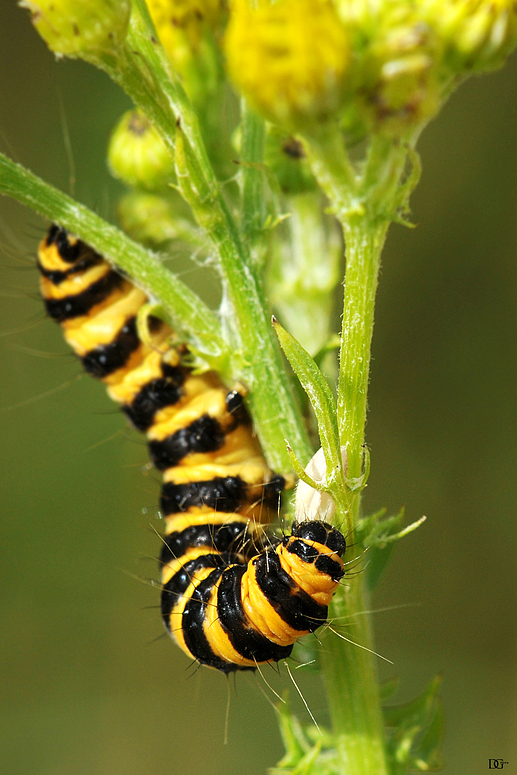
(364, 242)
(365, 202)
(253, 131)
(349, 670)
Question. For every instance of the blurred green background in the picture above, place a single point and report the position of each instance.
(85, 687)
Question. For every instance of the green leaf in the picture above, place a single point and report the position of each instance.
(309, 750)
(320, 395)
(388, 689)
(293, 736)
(431, 743)
(307, 765)
(318, 391)
(415, 731)
(378, 537)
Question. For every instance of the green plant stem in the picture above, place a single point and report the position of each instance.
(145, 73)
(351, 681)
(334, 172)
(349, 671)
(188, 311)
(364, 242)
(253, 130)
(365, 204)
(271, 397)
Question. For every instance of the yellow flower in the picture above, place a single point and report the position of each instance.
(189, 15)
(137, 154)
(82, 28)
(289, 59)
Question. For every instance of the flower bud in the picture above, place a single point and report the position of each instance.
(311, 503)
(80, 28)
(155, 220)
(137, 154)
(396, 81)
(289, 59)
(477, 34)
(286, 158)
(187, 30)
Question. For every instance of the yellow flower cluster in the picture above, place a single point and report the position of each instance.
(381, 65)
(289, 59)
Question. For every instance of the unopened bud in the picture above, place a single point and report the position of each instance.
(286, 158)
(395, 76)
(155, 220)
(477, 34)
(137, 154)
(80, 28)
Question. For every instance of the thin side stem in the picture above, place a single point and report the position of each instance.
(334, 172)
(165, 88)
(271, 398)
(253, 131)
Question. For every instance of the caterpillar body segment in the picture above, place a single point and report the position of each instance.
(231, 614)
(232, 596)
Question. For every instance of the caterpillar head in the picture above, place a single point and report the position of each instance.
(318, 543)
(322, 533)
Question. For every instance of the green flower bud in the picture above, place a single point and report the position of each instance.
(289, 59)
(395, 79)
(285, 156)
(478, 34)
(137, 154)
(80, 28)
(155, 220)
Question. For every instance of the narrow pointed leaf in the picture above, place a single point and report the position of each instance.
(319, 393)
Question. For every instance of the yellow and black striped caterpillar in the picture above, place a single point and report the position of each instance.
(231, 598)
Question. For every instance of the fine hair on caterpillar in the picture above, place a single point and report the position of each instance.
(233, 596)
